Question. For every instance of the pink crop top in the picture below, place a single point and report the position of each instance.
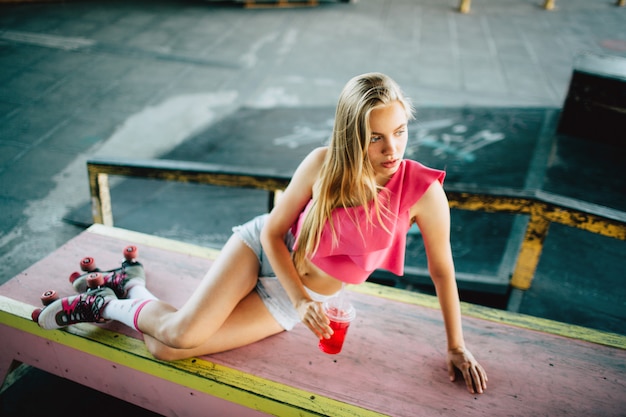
(359, 253)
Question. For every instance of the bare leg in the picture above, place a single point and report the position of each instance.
(248, 323)
(231, 278)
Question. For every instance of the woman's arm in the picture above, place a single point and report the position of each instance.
(283, 216)
(432, 215)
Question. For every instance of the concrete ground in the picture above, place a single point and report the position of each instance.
(203, 80)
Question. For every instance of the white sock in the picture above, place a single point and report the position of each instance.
(140, 292)
(125, 311)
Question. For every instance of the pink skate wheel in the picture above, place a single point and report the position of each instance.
(95, 280)
(35, 315)
(49, 297)
(74, 276)
(88, 264)
(130, 253)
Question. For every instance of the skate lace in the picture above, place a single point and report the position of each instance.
(86, 308)
(117, 282)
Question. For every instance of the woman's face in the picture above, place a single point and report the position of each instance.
(388, 139)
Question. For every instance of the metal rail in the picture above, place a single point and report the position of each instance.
(542, 208)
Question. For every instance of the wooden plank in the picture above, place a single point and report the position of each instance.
(183, 171)
(465, 5)
(397, 342)
(265, 4)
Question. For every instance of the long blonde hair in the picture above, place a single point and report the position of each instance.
(347, 177)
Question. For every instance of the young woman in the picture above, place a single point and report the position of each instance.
(345, 213)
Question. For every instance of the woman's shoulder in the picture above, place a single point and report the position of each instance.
(309, 168)
(314, 159)
(312, 163)
(319, 153)
(416, 171)
(416, 180)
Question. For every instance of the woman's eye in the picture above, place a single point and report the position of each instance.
(375, 138)
(400, 132)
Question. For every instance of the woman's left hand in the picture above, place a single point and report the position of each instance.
(474, 374)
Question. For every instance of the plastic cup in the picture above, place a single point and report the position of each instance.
(340, 312)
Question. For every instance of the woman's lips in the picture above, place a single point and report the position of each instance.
(390, 164)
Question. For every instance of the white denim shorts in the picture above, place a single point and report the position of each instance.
(268, 287)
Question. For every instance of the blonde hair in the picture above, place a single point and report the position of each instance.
(347, 177)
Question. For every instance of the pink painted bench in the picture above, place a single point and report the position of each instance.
(392, 363)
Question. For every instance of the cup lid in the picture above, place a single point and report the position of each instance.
(339, 310)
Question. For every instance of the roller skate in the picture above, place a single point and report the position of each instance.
(82, 308)
(120, 280)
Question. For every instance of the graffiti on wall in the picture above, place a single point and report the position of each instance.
(446, 137)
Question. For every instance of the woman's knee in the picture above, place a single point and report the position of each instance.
(179, 332)
(163, 352)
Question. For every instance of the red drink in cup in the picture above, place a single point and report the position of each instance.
(340, 313)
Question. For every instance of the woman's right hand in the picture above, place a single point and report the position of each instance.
(313, 316)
